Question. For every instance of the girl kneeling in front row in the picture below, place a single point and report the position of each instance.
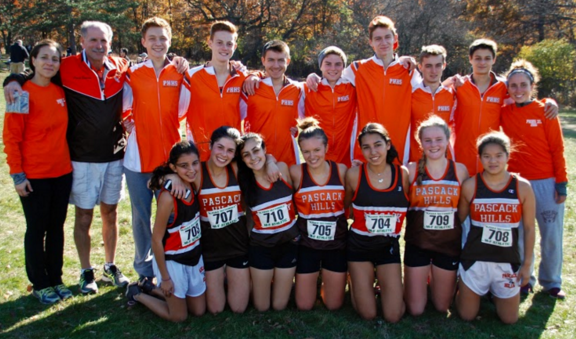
(497, 201)
(178, 263)
(274, 239)
(378, 193)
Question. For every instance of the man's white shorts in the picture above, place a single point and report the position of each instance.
(93, 183)
(188, 281)
(498, 278)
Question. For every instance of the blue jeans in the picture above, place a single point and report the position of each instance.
(550, 217)
(141, 202)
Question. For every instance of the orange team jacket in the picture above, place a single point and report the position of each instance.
(539, 142)
(210, 106)
(384, 96)
(153, 108)
(272, 115)
(35, 143)
(424, 104)
(335, 109)
(476, 114)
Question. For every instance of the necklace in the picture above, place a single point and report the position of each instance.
(380, 180)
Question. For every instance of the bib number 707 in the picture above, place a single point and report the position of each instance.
(380, 224)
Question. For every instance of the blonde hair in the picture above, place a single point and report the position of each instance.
(156, 22)
(381, 21)
(432, 121)
(525, 67)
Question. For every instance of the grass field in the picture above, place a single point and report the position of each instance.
(105, 315)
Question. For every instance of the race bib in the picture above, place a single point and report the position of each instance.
(321, 230)
(496, 236)
(223, 217)
(190, 231)
(381, 224)
(274, 216)
(435, 221)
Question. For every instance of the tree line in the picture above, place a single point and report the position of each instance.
(542, 30)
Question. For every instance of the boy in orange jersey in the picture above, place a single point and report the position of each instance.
(480, 97)
(215, 89)
(333, 105)
(277, 103)
(383, 87)
(430, 97)
(153, 108)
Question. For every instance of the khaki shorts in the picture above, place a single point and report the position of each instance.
(16, 67)
(498, 278)
(93, 183)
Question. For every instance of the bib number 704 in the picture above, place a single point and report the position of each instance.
(380, 224)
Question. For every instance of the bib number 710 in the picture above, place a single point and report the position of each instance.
(274, 216)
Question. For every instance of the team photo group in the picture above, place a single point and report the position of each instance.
(253, 204)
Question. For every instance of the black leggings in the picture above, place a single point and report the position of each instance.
(45, 211)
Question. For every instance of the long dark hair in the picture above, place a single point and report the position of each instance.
(36, 50)
(179, 148)
(376, 128)
(246, 177)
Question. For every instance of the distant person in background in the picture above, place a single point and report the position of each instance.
(18, 54)
(124, 54)
(39, 160)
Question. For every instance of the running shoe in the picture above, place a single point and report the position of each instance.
(146, 285)
(114, 276)
(557, 293)
(526, 289)
(46, 295)
(131, 291)
(63, 291)
(87, 282)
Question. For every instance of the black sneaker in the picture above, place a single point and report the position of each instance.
(146, 285)
(526, 289)
(87, 282)
(131, 291)
(114, 276)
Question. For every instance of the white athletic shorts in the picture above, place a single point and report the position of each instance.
(187, 280)
(94, 182)
(497, 278)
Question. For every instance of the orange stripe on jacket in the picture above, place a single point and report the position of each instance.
(539, 142)
(35, 143)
